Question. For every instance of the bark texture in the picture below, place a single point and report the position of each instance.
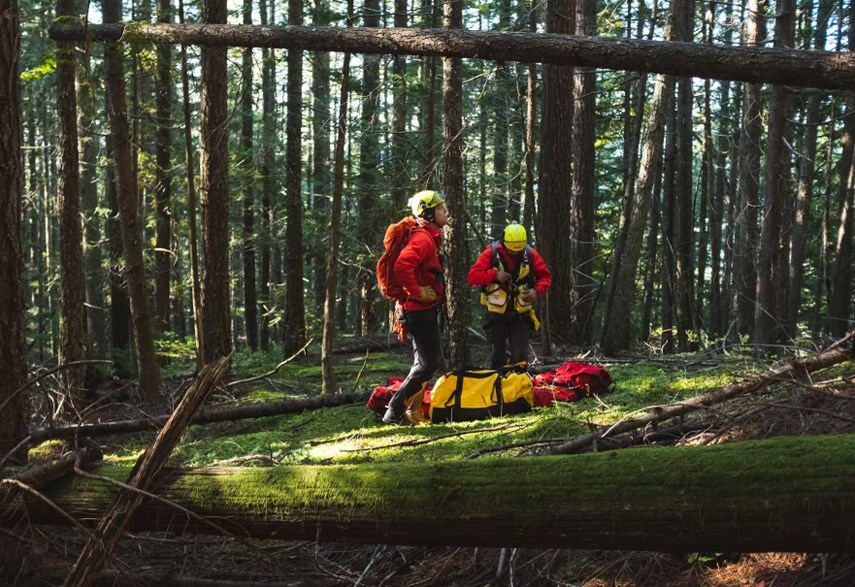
(12, 419)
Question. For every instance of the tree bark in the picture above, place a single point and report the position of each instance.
(268, 185)
(214, 162)
(250, 302)
(163, 176)
(556, 179)
(368, 212)
(322, 128)
(768, 321)
(833, 71)
(88, 140)
(807, 168)
(13, 424)
(295, 310)
(748, 188)
(72, 278)
(784, 494)
(452, 133)
(582, 232)
(148, 369)
(329, 383)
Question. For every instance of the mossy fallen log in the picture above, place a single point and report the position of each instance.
(784, 494)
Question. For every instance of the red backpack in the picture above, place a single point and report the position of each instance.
(397, 235)
(571, 382)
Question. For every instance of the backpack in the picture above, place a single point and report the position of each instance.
(571, 382)
(477, 394)
(397, 235)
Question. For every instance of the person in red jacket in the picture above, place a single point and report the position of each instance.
(512, 275)
(419, 271)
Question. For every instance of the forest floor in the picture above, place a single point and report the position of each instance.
(41, 555)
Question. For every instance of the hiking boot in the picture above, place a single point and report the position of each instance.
(395, 418)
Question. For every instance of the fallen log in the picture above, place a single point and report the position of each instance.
(793, 371)
(783, 494)
(782, 66)
(205, 416)
(40, 475)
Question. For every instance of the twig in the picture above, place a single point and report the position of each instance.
(35, 380)
(361, 369)
(270, 373)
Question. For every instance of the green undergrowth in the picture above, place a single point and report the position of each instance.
(353, 434)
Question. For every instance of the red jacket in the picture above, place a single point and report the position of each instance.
(483, 273)
(418, 265)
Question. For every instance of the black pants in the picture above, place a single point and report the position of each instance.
(510, 329)
(427, 355)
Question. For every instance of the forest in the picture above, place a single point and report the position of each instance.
(193, 197)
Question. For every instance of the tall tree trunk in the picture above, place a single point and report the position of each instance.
(452, 131)
(147, 365)
(72, 279)
(584, 180)
(328, 382)
(721, 148)
(267, 156)
(13, 422)
(501, 119)
(195, 281)
(120, 304)
(529, 210)
(250, 301)
(704, 208)
(429, 174)
(840, 303)
(767, 320)
(400, 111)
(556, 180)
(651, 251)
(684, 306)
(621, 288)
(214, 163)
(807, 166)
(840, 288)
(321, 163)
(163, 254)
(748, 188)
(96, 332)
(368, 181)
(295, 313)
(669, 236)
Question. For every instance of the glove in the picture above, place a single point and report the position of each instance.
(426, 294)
(503, 276)
(529, 296)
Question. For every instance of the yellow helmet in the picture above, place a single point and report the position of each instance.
(515, 237)
(425, 201)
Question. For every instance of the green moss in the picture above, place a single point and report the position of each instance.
(354, 435)
(676, 476)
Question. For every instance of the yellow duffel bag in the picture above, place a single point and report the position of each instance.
(477, 394)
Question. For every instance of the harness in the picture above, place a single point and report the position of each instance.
(495, 296)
